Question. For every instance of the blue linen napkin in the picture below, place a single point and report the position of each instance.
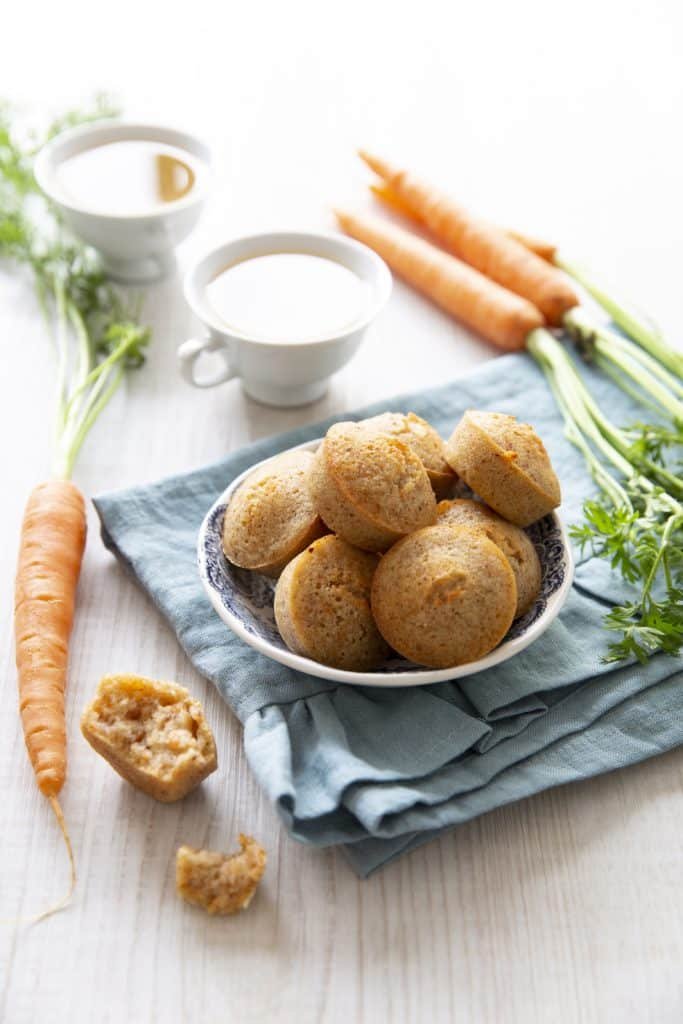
(383, 771)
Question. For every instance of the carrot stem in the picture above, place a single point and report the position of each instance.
(62, 355)
(641, 366)
(624, 382)
(575, 399)
(637, 372)
(92, 391)
(84, 352)
(114, 357)
(638, 326)
(65, 462)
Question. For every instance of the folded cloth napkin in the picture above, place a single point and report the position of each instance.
(382, 771)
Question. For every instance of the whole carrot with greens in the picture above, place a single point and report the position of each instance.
(651, 369)
(96, 342)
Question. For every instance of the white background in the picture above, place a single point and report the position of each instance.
(561, 119)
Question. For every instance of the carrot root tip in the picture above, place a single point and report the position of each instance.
(66, 900)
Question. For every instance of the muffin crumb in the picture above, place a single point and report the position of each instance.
(220, 883)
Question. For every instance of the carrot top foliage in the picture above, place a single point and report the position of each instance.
(95, 331)
(635, 521)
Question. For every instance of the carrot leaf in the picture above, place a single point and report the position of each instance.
(95, 327)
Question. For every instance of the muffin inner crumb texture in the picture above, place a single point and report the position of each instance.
(153, 733)
(220, 883)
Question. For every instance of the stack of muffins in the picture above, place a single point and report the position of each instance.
(369, 559)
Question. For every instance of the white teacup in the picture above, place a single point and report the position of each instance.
(135, 247)
(279, 373)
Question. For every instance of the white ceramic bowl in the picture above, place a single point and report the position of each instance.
(279, 374)
(244, 601)
(134, 247)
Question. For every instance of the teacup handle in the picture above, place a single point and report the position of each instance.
(190, 351)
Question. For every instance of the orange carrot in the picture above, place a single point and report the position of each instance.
(489, 249)
(50, 555)
(501, 316)
(546, 250)
(386, 195)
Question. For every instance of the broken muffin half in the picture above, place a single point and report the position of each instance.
(152, 733)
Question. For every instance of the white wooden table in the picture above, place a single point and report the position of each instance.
(564, 908)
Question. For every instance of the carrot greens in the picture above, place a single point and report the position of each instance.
(96, 335)
(634, 323)
(636, 519)
(631, 367)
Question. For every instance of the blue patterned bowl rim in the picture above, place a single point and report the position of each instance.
(244, 601)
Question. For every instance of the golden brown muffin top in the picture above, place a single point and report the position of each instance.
(444, 595)
(521, 446)
(326, 593)
(511, 539)
(420, 436)
(270, 512)
(515, 544)
(381, 476)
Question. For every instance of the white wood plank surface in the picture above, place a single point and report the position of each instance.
(563, 119)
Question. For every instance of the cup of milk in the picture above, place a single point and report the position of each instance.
(284, 311)
(132, 191)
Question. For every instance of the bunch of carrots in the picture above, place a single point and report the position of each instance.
(96, 341)
(511, 289)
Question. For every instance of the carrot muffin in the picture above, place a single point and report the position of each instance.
(152, 733)
(422, 438)
(444, 596)
(271, 517)
(512, 541)
(322, 606)
(505, 463)
(369, 488)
